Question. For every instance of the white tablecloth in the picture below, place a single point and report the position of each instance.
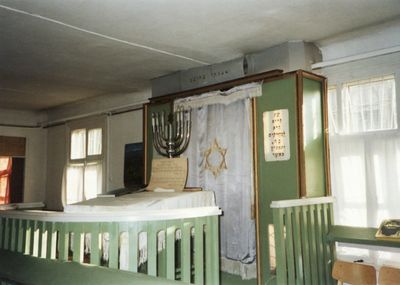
(144, 201)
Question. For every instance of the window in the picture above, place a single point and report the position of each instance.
(365, 157)
(5, 174)
(84, 172)
(12, 169)
(363, 106)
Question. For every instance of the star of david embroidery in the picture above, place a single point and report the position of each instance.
(215, 167)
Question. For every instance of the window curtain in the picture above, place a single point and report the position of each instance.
(5, 174)
(78, 144)
(365, 162)
(83, 171)
(95, 141)
(220, 159)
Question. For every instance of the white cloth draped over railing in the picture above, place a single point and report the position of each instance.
(221, 139)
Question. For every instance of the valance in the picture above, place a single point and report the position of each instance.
(227, 97)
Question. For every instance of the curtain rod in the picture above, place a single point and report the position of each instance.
(21, 126)
(117, 111)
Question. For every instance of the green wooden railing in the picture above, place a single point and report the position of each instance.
(60, 236)
(303, 253)
(17, 269)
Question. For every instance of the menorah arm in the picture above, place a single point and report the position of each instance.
(186, 142)
(185, 133)
(158, 141)
(178, 128)
(158, 149)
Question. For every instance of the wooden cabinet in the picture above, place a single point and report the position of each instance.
(302, 96)
(305, 173)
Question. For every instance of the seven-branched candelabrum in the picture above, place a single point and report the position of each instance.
(171, 134)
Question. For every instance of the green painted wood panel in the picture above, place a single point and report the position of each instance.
(170, 247)
(289, 245)
(280, 180)
(21, 236)
(51, 240)
(199, 251)
(318, 238)
(133, 247)
(306, 245)
(280, 249)
(40, 233)
(38, 271)
(313, 138)
(312, 244)
(7, 232)
(162, 254)
(14, 225)
(152, 249)
(298, 251)
(212, 251)
(185, 251)
(2, 227)
(94, 230)
(195, 257)
(76, 229)
(63, 241)
(326, 245)
(303, 254)
(277, 180)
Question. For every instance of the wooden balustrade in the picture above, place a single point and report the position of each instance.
(61, 236)
(303, 253)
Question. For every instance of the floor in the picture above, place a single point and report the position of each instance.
(229, 279)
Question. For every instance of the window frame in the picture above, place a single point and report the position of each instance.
(98, 122)
(338, 87)
(88, 158)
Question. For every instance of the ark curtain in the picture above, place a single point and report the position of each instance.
(220, 159)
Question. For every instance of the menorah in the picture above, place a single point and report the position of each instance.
(171, 134)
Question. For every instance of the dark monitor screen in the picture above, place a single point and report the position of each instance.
(134, 165)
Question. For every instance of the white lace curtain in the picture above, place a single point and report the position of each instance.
(220, 159)
(83, 171)
(365, 160)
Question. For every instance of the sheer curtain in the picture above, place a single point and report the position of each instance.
(5, 173)
(220, 159)
(365, 160)
(83, 175)
(95, 141)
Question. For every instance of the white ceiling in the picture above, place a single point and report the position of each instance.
(54, 52)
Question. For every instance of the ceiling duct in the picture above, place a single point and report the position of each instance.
(287, 56)
(198, 77)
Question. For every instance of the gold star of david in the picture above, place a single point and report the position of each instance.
(217, 168)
